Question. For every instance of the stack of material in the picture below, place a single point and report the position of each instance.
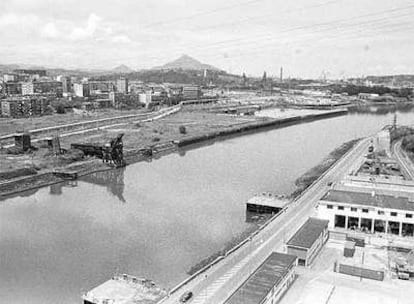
(349, 249)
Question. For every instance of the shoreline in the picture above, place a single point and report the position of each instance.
(13, 187)
(302, 183)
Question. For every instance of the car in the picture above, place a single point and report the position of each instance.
(186, 296)
(329, 184)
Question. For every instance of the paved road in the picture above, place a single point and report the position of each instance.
(218, 283)
(405, 163)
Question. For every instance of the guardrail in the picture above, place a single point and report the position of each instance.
(261, 228)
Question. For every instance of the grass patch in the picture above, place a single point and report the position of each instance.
(314, 173)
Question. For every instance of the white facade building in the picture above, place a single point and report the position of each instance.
(368, 212)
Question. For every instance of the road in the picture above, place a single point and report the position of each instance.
(221, 280)
(403, 160)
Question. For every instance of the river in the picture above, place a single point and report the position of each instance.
(156, 219)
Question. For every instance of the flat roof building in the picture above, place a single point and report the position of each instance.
(368, 212)
(268, 283)
(308, 240)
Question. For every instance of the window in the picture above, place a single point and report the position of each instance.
(381, 212)
(329, 206)
(408, 215)
(340, 207)
(393, 213)
(365, 210)
(353, 209)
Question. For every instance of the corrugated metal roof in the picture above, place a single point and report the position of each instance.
(308, 233)
(258, 285)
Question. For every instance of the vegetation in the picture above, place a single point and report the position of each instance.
(313, 174)
(228, 246)
(182, 130)
(400, 132)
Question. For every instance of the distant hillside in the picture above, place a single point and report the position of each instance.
(122, 69)
(186, 62)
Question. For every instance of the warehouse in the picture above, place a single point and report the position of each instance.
(308, 240)
(368, 212)
(268, 283)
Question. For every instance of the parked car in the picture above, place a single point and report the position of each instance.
(186, 296)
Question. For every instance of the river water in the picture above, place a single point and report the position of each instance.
(156, 219)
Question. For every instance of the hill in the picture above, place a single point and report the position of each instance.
(186, 62)
(122, 69)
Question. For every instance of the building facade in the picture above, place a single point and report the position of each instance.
(81, 89)
(308, 240)
(122, 85)
(66, 84)
(368, 212)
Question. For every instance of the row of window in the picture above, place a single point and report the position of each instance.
(365, 210)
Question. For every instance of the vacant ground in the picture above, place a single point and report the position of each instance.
(137, 135)
(13, 125)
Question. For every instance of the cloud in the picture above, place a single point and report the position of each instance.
(92, 25)
(10, 19)
(50, 30)
(121, 39)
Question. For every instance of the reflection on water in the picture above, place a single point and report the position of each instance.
(56, 189)
(56, 242)
(113, 180)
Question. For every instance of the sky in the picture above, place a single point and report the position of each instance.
(309, 38)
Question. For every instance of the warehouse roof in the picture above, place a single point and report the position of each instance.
(273, 270)
(306, 236)
(368, 199)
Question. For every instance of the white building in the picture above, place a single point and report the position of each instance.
(368, 212)
(81, 89)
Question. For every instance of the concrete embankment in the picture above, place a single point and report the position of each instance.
(260, 125)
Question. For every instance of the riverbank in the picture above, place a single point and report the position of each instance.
(162, 137)
(302, 184)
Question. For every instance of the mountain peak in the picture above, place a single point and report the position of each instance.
(122, 69)
(186, 62)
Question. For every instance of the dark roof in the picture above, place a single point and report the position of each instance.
(367, 199)
(258, 285)
(308, 233)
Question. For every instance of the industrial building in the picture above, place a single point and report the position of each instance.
(191, 92)
(369, 212)
(308, 240)
(268, 283)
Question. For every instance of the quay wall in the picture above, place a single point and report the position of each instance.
(259, 125)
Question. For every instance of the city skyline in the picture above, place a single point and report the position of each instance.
(308, 38)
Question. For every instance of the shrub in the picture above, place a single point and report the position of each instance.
(182, 130)
(60, 108)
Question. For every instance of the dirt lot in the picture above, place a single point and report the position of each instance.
(12, 125)
(137, 135)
